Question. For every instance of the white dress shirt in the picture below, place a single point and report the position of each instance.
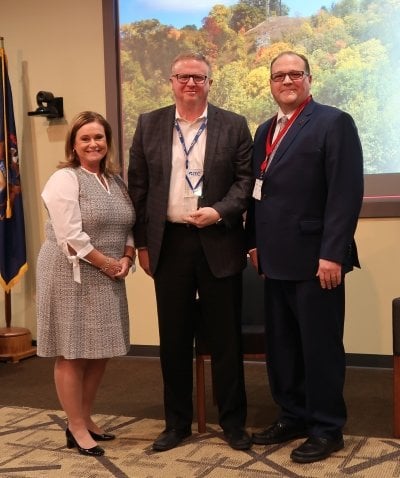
(181, 199)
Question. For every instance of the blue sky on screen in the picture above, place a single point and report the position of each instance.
(180, 13)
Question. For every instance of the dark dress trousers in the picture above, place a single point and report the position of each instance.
(310, 202)
(186, 261)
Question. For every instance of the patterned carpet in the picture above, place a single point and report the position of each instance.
(32, 444)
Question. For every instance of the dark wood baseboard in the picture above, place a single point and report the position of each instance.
(144, 351)
(352, 360)
(369, 360)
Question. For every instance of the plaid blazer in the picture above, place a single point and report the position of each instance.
(227, 184)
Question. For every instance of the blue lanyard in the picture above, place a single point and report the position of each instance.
(195, 139)
(188, 151)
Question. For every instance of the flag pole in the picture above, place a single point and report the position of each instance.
(8, 209)
(7, 295)
(7, 307)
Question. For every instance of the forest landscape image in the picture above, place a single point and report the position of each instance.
(353, 47)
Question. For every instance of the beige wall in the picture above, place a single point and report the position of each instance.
(370, 290)
(57, 46)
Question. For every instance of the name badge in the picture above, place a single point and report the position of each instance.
(194, 182)
(257, 189)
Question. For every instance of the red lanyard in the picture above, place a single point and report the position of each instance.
(269, 146)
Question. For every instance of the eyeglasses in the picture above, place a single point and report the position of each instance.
(184, 78)
(293, 75)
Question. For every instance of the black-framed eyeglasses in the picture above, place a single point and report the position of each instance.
(293, 75)
(184, 78)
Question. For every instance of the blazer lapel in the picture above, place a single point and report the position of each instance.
(291, 134)
(164, 137)
(213, 129)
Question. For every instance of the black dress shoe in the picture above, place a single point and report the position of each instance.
(279, 432)
(72, 443)
(238, 439)
(315, 449)
(102, 436)
(170, 439)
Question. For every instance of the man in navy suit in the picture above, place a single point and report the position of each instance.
(190, 180)
(306, 201)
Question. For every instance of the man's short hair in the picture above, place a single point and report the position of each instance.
(293, 53)
(191, 56)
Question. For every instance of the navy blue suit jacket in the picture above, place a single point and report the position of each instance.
(311, 195)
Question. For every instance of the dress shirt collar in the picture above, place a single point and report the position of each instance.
(281, 113)
(201, 117)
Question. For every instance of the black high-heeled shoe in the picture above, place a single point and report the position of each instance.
(72, 443)
(102, 436)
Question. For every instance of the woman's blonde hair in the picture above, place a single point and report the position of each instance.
(108, 165)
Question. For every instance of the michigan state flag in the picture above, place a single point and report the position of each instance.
(12, 230)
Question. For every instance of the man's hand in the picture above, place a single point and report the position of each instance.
(205, 216)
(254, 258)
(143, 255)
(329, 273)
(254, 261)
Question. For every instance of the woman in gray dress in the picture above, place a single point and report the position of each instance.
(82, 309)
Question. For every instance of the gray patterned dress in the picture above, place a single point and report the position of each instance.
(88, 319)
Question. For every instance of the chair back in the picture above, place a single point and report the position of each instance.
(253, 312)
(396, 325)
(252, 316)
